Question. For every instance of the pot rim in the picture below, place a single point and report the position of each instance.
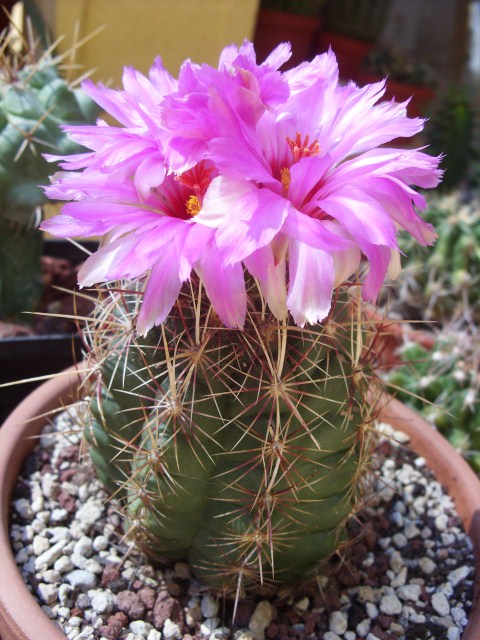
(22, 618)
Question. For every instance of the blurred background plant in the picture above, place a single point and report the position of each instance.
(35, 100)
(443, 384)
(300, 7)
(361, 19)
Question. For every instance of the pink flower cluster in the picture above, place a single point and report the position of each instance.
(284, 175)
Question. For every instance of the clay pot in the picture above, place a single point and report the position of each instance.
(21, 618)
(274, 27)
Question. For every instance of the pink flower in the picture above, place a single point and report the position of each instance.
(306, 189)
(243, 167)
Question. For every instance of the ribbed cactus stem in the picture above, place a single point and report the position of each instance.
(237, 450)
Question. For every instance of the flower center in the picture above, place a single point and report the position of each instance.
(301, 149)
(197, 180)
(192, 205)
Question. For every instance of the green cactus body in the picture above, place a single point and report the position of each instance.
(34, 102)
(237, 450)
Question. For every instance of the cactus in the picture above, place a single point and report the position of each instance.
(237, 450)
(230, 407)
(444, 283)
(443, 385)
(34, 102)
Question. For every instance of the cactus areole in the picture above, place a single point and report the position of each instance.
(245, 214)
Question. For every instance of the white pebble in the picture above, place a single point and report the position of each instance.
(154, 635)
(209, 606)
(261, 618)
(46, 559)
(441, 522)
(400, 579)
(396, 562)
(458, 575)
(338, 622)
(171, 630)
(459, 616)
(331, 635)
(409, 592)
(23, 508)
(63, 564)
(453, 633)
(82, 579)
(440, 604)
(101, 600)
(58, 515)
(48, 593)
(400, 540)
(363, 627)
(140, 628)
(390, 605)
(372, 610)
(427, 565)
(101, 543)
(83, 547)
(209, 625)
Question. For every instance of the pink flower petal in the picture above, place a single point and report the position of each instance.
(225, 287)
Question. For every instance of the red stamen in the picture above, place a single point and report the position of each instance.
(301, 149)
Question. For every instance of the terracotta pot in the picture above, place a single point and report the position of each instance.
(350, 52)
(21, 618)
(401, 91)
(274, 27)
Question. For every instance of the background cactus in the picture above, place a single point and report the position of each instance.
(34, 101)
(237, 450)
(443, 385)
(443, 283)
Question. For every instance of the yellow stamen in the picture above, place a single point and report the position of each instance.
(193, 205)
(285, 179)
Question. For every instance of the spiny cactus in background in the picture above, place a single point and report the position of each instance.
(236, 202)
(443, 385)
(34, 102)
(445, 282)
(240, 451)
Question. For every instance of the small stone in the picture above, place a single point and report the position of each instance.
(400, 540)
(441, 522)
(338, 622)
(363, 627)
(83, 547)
(140, 628)
(130, 604)
(23, 508)
(63, 564)
(82, 579)
(390, 605)
(409, 592)
(101, 601)
(349, 635)
(453, 633)
(101, 543)
(459, 616)
(243, 634)
(154, 634)
(331, 635)
(46, 559)
(163, 608)
(427, 565)
(302, 605)
(440, 604)
(171, 630)
(220, 633)
(50, 576)
(65, 592)
(458, 575)
(371, 609)
(48, 593)
(396, 562)
(261, 618)
(209, 606)
(209, 625)
(58, 515)
(400, 579)
(40, 544)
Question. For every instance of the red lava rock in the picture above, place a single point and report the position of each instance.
(110, 573)
(70, 453)
(272, 630)
(148, 596)
(115, 624)
(67, 475)
(130, 603)
(244, 613)
(76, 612)
(369, 536)
(163, 609)
(349, 576)
(66, 501)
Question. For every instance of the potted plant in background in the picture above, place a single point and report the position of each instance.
(35, 100)
(352, 29)
(294, 21)
(406, 79)
(228, 405)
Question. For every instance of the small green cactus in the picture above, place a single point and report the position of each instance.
(239, 451)
(443, 284)
(34, 102)
(443, 385)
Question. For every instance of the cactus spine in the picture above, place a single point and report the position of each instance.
(237, 450)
